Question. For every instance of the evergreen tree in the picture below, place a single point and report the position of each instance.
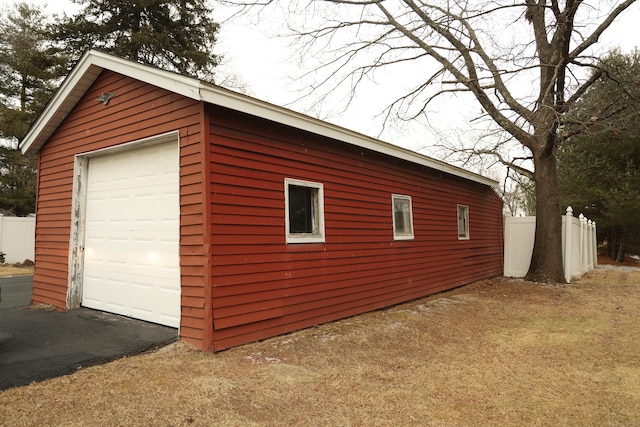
(599, 171)
(17, 182)
(177, 35)
(30, 71)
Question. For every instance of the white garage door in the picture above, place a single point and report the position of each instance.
(131, 261)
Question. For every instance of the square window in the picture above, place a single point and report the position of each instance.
(304, 206)
(402, 217)
(463, 222)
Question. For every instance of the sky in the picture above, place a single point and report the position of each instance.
(244, 46)
(263, 65)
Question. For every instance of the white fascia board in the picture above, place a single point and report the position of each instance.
(173, 82)
(80, 80)
(252, 106)
(93, 62)
(62, 102)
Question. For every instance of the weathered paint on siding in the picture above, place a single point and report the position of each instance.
(264, 287)
(137, 111)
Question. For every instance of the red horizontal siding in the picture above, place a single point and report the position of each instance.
(258, 285)
(263, 286)
(137, 111)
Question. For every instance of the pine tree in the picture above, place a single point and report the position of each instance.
(30, 70)
(17, 182)
(599, 170)
(177, 35)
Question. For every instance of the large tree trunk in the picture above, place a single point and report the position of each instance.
(546, 261)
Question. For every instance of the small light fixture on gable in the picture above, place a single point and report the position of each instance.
(105, 97)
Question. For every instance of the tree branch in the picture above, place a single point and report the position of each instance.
(595, 35)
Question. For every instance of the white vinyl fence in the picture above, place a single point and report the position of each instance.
(17, 238)
(579, 245)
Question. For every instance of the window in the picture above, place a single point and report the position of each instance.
(402, 217)
(463, 222)
(304, 205)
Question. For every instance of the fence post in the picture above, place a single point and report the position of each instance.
(1, 226)
(587, 244)
(595, 246)
(581, 249)
(567, 244)
(590, 246)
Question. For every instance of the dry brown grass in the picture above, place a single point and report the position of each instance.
(497, 352)
(11, 270)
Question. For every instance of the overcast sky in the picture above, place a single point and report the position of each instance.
(246, 46)
(263, 65)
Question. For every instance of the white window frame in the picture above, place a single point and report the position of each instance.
(317, 213)
(465, 224)
(396, 235)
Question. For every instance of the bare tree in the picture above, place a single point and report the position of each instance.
(526, 63)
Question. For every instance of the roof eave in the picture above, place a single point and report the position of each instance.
(236, 101)
(94, 62)
(85, 72)
(62, 102)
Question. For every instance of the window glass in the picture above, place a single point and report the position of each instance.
(402, 217)
(463, 222)
(301, 209)
(304, 211)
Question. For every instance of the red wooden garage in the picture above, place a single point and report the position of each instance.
(168, 199)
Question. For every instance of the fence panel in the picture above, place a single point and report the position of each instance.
(17, 238)
(519, 235)
(579, 245)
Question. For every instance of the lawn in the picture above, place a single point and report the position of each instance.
(497, 352)
(13, 270)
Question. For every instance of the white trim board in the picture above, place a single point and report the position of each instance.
(94, 62)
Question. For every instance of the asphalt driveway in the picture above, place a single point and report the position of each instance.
(36, 344)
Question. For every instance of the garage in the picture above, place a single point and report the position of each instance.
(204, 237)
(131, 237)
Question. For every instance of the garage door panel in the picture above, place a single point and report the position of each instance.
(153, 206)
(141, 228)
(152, 253)
(130, 275)
(100, 294)
(131, 264)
